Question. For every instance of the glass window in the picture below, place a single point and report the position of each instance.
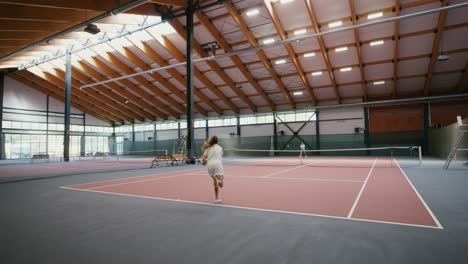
(42, 126)
(269, 119)
(96, 144)
(16, 125)
(75, 146)
(55, 145)
(199, 123)
(230, 122)
(248, 120)
(15, 150)
(8, 146)
(289, 117)
(301, 117)
(25, 148)
(6, 124)
(26, 125)
(35, 126)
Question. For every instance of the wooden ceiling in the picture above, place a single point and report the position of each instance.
(274, 79)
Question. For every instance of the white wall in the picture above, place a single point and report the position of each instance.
(167, 134)
(341, 121)
(223, 132)
(341, 113)
(18, 95)
(199, 133)
(257, 130)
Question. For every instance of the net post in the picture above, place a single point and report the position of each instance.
(420, 156)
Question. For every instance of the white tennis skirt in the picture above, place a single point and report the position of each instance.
(215, 168)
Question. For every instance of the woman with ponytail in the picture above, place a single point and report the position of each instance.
(213, 159)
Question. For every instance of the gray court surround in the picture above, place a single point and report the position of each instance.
(42, 223)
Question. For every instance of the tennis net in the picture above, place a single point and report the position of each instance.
(347, 158)
(142, 156)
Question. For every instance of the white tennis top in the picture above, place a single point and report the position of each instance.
(214, 156)
(214, 152)
(302, 146)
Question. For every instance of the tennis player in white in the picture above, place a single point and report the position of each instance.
(303, 152)
(213, 159)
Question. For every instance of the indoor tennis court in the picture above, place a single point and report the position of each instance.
(233, 131)
(329, 192)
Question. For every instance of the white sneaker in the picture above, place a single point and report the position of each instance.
(218, 201)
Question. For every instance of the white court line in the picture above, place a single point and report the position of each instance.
(281, 171)
(136, 177)
(361, 191)
(132, 182)
(282, 178)
(420, 197)
(254, 209)
(153, 177)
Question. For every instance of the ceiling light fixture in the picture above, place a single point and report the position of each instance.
(379, 82)
(298, 93)
(281, 61)
(346, 69)
(300, 31)
(268, 41)
(317, 73)
(340, 49)
(443, 57)
(335, 24)
(285, 1)
(252, 12)
(310, 54)
(377, 42)
(374, 15)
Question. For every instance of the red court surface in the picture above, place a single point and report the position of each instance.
(380, 193)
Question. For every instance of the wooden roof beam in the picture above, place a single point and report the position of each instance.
(101, 103)
(214, 65)
(435, 48)
(358, 49)
(158, 59)
(89, 71)
(313, 18)
(59, 97)
(97, 65)
(206, 22)
(134, 59)
(59, 90)
(290, 49)
(179, 56)
(181, 3)
(144, 66)
(362, 15)
(260, 53)
(107, 95)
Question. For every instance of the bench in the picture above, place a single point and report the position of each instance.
(164, 158)
(40, 157)
(174, 159)
(179, 158)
